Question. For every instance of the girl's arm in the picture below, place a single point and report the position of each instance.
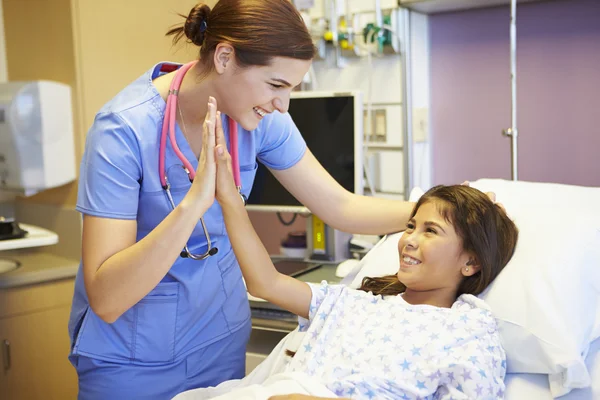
(262, 279)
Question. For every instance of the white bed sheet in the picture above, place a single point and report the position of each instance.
(535, 386)
(518, 386)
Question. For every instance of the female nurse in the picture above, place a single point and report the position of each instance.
(149, 320)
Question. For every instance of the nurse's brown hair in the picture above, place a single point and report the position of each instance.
(258, 30)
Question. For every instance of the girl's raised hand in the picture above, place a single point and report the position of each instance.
(205, 181)
(226, 191)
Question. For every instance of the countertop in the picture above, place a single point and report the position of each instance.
(36, 267)
(39, 265)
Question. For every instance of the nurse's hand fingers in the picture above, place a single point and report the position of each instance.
(208, 139)
(501, 207)
(220, 139)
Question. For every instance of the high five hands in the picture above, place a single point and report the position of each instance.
(214, 166)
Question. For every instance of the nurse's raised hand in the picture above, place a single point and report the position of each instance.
(204, 184)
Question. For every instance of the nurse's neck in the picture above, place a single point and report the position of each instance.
(193, 96)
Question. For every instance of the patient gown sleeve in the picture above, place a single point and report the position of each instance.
(324, 299)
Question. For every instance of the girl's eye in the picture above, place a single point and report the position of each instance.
(276, 86)
(410, 226)
(431, 230)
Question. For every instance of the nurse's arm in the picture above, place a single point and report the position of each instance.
(118, 271)
(312, 185)
(262, 279)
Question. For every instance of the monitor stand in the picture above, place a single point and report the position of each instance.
(326, 244)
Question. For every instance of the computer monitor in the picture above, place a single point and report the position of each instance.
(332, 126)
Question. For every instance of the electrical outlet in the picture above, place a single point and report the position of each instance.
(420, 125)
(380, 125)
(367, 130)
(377, 132)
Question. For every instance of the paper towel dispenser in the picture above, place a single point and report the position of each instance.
(37, 149)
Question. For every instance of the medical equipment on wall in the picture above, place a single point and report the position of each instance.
(347, 30)
(350, 25)
(37, 149)
(168, 128)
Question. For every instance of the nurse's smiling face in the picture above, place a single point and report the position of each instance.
(247, 94)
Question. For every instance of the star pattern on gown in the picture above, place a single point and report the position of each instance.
(372, 347)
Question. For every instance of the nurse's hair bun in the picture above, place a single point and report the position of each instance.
(194, 27)
(196, 24)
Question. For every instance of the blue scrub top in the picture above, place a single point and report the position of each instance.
(198, 302)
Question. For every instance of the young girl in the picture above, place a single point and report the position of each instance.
(419, 333)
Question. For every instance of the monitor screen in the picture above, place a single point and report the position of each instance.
(331, 125)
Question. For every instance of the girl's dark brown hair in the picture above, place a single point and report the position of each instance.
(258, 30)
(484, 228)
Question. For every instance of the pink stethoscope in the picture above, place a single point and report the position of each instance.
(169, 126)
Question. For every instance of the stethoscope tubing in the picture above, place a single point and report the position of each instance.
(168, 128)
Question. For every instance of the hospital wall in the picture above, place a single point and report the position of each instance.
(558, 75)
(97, 47)
(3, 73)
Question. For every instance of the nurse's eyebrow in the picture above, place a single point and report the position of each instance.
(283, 82)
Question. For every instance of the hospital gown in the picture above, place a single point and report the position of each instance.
(372, 347)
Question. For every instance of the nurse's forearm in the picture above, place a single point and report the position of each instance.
(370, 215)
(129, 275)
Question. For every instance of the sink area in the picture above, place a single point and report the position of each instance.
(7, 265)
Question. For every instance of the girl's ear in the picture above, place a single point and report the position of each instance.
(471, 267)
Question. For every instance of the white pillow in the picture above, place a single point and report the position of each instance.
(547, 299)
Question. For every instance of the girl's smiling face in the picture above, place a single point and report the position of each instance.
(432, 257)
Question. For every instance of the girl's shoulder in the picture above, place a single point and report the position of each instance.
(475, 310)
(466, 302)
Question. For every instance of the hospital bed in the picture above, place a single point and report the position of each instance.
(547, 299)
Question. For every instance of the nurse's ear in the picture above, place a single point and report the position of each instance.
(224, 57)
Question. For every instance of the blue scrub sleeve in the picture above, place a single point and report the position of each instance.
(111, 171)
(282, 145)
